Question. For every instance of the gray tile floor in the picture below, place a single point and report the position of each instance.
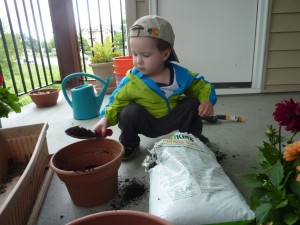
(237, 141)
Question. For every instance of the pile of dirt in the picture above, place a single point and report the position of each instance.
(131, 190)
(77, 131)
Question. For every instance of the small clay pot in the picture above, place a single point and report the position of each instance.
(89, 170)
(124, 217)
(44, 97)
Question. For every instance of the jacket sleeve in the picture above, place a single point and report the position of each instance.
(117, 101)
(202, 89)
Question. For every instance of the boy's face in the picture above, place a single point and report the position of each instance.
(147, 58)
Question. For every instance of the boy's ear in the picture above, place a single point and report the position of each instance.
(166, 54)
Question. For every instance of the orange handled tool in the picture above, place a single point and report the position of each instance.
(214, 119)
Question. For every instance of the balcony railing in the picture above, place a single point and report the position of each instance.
(27, 46)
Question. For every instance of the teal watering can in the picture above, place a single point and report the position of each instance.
(85, 103)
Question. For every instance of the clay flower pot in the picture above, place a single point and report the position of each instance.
(121, 65)
(124, 217)
(44, 97)
(89, 170)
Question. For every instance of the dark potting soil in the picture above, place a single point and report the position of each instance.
(130, 192)
(80, 132)
(14, 170)
(84, 169)
(220, 156)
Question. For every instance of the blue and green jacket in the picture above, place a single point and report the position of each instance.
(138, 88)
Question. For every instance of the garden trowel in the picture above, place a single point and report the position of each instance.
(83, 133)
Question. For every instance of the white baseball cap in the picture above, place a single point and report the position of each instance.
(156, 27)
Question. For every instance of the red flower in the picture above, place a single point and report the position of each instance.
(1, 79)
(287, 114)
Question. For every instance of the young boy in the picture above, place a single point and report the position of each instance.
(157, 96)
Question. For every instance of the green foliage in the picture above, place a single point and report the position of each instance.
(85, 44)
(104, 53)
(8, 102)
(275, 196)
(11, 51)
(118, 38)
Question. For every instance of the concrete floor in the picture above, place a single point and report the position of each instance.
(237, 140)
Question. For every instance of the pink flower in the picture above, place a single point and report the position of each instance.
(287, 114)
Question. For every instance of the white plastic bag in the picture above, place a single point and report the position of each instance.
(189, 187)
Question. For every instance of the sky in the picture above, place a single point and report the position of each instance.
(32, 8)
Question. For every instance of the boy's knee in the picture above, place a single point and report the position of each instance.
(130, 111)
(191, 102)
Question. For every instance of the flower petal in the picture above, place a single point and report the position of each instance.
(292, 151)
(287, 114)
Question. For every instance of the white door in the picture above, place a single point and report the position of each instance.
(215, 38)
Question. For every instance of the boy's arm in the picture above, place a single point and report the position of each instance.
(203, 90)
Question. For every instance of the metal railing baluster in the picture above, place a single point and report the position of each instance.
(26, 38)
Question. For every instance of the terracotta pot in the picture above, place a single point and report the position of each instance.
(44, 97)
(124, 217)
(121, 65)
(104, 70)
(89, 170)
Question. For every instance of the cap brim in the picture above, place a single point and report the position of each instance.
(173, 56)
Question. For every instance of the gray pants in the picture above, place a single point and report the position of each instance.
(135, 120)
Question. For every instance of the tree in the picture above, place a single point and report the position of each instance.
(11, 53)
(86, 46)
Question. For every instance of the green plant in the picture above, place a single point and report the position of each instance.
(8, 101)
(104, 53)
(275, 197)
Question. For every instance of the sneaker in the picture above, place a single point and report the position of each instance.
(129, 153)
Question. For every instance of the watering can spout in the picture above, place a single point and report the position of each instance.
(103, 92)
(85, 103)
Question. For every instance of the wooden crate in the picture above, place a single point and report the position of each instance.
(24, 144)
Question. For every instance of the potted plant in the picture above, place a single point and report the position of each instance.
(121, 65)
(8, 101)
(275, 197)
(89, 169)
(102, 62)
(44, 97)
(125, 217)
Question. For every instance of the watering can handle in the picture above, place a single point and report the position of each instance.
(80, 74)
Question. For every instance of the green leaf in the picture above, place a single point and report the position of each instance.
(276, 174)
(8, 102)
(282, 203)
(257, 197)
(295, 187)
(290, 218)
(251, 180)
(278, 198)
(293, 201)
(270, 153)
(4, 110)
(263, 213)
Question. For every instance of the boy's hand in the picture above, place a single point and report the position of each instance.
(101, 126)
(206, 109)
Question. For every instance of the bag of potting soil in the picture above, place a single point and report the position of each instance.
(189, 187)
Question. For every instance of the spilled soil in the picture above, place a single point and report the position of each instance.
(131, 191)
